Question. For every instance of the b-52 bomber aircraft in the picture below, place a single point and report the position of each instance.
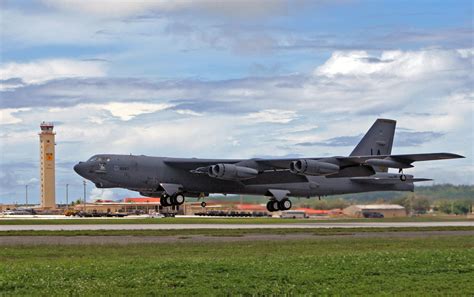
(173, 179)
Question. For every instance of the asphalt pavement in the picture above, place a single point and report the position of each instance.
(234, 226)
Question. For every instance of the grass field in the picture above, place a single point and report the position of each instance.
(441, 265)
(226, 232)
(199, 220)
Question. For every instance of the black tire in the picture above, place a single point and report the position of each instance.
(403, 177)
(172, 200)
(179, 199)
(275, 205)
(164, 201)
(203, 204)
(270, 206)
(284, 204)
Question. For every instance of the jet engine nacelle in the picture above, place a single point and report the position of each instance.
(231, 172)
(313, 167)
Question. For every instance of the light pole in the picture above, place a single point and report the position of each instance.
(84, 201)
(26, 195)
(67, 195)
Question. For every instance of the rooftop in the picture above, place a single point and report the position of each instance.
(379, 206)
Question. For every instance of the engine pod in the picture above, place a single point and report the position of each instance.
(313, 167)
(231, 172)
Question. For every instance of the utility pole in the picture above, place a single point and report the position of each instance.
(84, 201)
(26, 195)
(67, 195)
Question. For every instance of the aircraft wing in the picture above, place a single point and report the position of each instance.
(284, 163)
(385, 180)
(406, 159)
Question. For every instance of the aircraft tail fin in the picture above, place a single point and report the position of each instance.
(377, 141)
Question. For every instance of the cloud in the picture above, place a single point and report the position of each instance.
(100, 194)
(272, 116)
(336, 141)
(188, 112)
(7, 116)
(44, 70)
(112, 8)
(402, 139)
(393, 63)
(415, 138)
(10, 83)
(127, 111)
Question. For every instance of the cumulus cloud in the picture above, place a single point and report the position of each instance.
(44, 70)
(100, 194)
(394, 63)
(7, 115)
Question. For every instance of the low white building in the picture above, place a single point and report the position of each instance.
(388, 210)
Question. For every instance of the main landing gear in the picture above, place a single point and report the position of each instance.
(274, 205)
(176, 199)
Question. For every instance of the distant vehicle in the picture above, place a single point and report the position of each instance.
(155, 215)
(20, 211)
(293, 214)
(173, 179)
(372, 215)
(71, 212)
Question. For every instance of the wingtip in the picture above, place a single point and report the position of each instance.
(415, 180)
(456, 156)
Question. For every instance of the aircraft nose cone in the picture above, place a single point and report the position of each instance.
(79, 168)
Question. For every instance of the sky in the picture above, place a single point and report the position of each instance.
(231, 79)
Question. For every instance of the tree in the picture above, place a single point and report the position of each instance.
(461, 207)
(421, 204)
(414, 203)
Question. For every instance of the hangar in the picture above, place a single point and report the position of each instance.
(388, 210)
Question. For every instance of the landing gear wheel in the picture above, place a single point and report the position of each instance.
(270, 206)
(164, 200)
(203, 204)
(168, 200)
(275, 205)
(284, 204)
(403, 177)
(179, 199)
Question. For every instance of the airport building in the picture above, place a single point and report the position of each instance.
(47, 166)
(387, 210)
(128, 205)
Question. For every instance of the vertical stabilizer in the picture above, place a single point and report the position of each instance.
(377, 141)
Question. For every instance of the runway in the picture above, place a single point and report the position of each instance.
(232, 226)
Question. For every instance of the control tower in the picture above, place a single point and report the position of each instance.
(47, 171)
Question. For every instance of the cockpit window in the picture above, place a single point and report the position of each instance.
(99, 159)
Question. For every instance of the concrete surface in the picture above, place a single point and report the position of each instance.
(233, 226)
